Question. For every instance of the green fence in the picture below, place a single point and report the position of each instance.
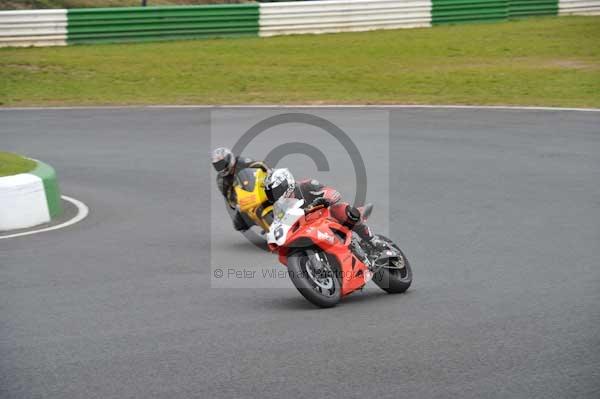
(106, 25)
(461, 11)
(526, 8)
(135, 24)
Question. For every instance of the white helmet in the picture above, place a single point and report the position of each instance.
(280, 184)
(223, 161)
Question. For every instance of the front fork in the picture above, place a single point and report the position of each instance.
(319, 263)
(316, 260)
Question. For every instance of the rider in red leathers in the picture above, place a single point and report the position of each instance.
(281, 184)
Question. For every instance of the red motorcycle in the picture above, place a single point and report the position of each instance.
(326, 260)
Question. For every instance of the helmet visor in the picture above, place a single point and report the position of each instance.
(279, 191)
(220, 165)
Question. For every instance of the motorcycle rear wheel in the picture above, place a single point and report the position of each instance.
(394, 280)
(320, 287)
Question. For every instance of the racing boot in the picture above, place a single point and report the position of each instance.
(362, 247)
(377, 249)
(368, 248)
(358, 251)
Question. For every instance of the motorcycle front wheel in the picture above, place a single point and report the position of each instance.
(315, 277)
(396, 277)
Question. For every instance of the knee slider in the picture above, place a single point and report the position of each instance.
(352, 215)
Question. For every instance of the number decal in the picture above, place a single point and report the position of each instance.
(278, 233)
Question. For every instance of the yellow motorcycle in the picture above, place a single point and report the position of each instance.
(251, 199)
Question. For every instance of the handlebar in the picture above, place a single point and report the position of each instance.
(310, 209)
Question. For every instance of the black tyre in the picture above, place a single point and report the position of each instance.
(321, 286)
(396, 278)
(239, 223)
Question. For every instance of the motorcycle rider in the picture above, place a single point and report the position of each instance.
(227, 164)
(280, 183)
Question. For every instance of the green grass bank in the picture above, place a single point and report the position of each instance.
(12, 164)
(539, 61)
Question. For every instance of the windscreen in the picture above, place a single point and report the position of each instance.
(246, 179)
(282, 205)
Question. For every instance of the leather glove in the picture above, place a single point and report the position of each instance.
(320, 202)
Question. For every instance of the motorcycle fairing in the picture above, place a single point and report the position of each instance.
(251, 196)
(317, 229)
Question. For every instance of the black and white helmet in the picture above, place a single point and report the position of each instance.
(280, 184)
(223, 161)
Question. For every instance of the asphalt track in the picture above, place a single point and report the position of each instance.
(498, 210)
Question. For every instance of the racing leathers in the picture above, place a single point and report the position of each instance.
(314, 194)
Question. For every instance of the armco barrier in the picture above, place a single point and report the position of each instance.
(33, 28)
(527, 8)
(579, 7)
(460, 11)
(106, 25)
(103, 25)
(342, 15)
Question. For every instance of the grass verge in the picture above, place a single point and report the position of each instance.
(12, 164)
(551, 61)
